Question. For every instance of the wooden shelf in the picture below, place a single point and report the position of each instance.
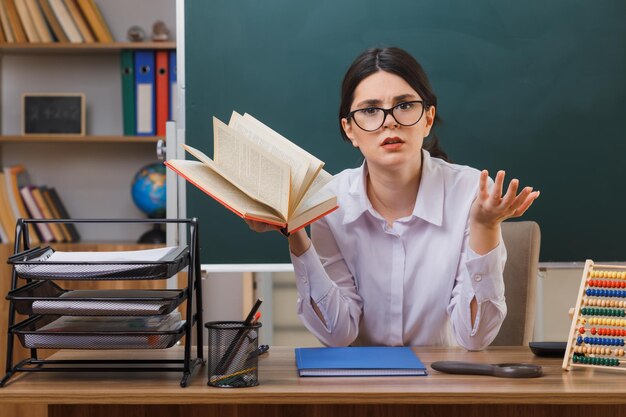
(79, 48)
(79, 139)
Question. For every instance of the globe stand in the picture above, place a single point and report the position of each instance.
(155, 235)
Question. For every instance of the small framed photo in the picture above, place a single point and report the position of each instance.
(60, 114)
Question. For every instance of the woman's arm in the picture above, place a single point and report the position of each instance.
(328, 302)
(477, 306)
(489, 210)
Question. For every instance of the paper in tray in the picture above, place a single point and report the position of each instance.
(144, 264)
(33, 335)
(46, 297)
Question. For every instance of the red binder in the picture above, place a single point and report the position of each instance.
(162, 91)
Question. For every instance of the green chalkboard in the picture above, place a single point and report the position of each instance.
(537, 88)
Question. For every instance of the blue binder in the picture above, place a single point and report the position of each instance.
(173, 85)
(359, 361)
(145, 94)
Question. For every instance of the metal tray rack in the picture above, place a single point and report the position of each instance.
(43, 301)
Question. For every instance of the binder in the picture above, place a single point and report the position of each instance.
(162, 80)
(359, 361)
(173, 85)
(128, 92)
(145, 93)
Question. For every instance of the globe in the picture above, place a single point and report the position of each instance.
(148, 190)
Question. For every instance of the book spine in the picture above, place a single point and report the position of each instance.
(79, 20)
(52, 20)
(68, 25)
(16, 24)
(29, 201)
(92, 15)
(6, 25)
(27, 21)
(46, 213)
(39, 21)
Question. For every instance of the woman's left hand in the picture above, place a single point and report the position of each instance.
(492, 208)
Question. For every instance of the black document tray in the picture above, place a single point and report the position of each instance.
(33, 264)
(30, 336)
(46, 297)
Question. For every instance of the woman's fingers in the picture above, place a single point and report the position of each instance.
(496, 192)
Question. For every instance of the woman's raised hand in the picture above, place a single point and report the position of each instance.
(491, 208)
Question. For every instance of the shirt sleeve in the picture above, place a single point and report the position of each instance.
(479, 276)
(323, 278)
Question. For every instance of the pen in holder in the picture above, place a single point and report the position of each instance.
(232, 361)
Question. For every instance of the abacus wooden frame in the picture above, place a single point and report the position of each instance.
(573, 333)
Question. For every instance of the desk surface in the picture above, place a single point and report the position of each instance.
(279, 384)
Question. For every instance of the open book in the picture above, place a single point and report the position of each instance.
(260, 175)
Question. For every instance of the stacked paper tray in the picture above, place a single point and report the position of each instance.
(46, 264)
(46, 297)
(32, 335)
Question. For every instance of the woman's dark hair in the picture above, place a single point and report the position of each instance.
(395, 61)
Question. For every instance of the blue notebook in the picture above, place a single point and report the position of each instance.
(358, 361)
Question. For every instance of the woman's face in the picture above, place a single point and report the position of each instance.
(391, 144)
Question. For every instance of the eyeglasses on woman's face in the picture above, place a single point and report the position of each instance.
(406, 113)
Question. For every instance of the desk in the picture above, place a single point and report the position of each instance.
(281, 392)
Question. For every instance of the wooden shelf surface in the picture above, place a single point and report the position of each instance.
(79, 48)
(79, 139)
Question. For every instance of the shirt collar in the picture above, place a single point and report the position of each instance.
(429, 202)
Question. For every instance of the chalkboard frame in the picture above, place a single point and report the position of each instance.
(76, 126)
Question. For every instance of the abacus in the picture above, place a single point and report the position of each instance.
(598, 331)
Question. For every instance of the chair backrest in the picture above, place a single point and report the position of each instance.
(522, 240)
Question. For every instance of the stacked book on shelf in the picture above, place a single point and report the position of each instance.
(47, 21)
(19, 198)
(148, 91)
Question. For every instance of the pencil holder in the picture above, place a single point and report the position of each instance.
(233, 354)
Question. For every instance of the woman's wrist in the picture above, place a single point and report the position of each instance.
(299, 242)
(484, 238)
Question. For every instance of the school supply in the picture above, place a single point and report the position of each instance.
(358, 361)
(260, 175)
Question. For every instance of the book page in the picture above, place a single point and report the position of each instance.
(319, 182)
(298, 163)
(227, 175)
(315, 165)
(207, 180)
(263, 176)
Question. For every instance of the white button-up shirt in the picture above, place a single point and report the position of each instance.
(410, 283)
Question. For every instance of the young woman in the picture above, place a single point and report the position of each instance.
(414, 254)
